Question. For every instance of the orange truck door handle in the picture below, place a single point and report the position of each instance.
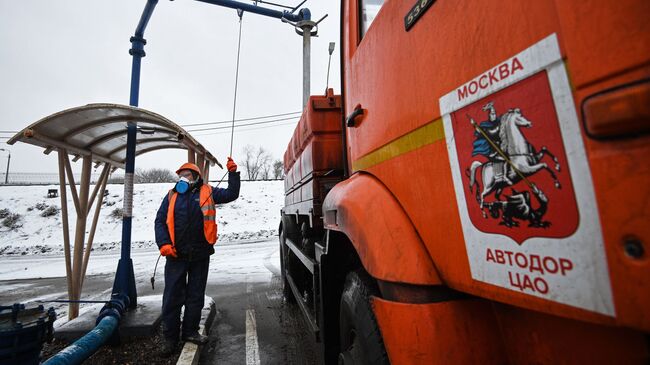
(349, 120)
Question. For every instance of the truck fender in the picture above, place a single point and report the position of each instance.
(384, 237)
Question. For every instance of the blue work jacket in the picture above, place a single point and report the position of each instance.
(188, 219)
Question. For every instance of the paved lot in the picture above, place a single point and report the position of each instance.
(253, 324)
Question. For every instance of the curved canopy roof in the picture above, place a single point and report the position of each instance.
(100, 130)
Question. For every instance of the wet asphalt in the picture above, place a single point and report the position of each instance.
(253, 324)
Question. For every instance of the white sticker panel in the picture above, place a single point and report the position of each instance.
(522, 181)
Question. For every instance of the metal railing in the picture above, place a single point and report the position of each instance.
(46, 178)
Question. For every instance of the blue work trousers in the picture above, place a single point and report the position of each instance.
(184, 286)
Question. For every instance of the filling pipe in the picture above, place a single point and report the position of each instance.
(105, 330)
(257, 9)
(81, 349)
(124, 282)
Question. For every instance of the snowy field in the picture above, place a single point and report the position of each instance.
(252, 217)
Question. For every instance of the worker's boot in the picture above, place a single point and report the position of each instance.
(167, 347)
(196, 338)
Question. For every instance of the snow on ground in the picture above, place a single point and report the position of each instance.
(254, 216)
(253, 261)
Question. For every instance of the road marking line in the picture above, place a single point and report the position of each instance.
(252, 347)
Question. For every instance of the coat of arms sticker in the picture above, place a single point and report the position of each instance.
(522, 181)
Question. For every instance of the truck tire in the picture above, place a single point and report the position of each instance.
(284, 258)
(360, 339)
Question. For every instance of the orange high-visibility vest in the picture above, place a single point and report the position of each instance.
(207, 208)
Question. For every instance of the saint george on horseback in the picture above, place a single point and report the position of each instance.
(491, 133)
(511, 158)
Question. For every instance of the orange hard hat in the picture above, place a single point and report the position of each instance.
(189, 166)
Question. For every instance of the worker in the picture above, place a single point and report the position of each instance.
(186, 232)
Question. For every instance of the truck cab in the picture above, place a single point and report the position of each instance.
(483, 192)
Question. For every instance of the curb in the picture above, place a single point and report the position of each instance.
(191, 352)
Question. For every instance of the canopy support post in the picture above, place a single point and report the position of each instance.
(66, 229)
(199, 163)
(73, 185)
(191, 156)
(101, 183)
(98, 185)
(207, 171)
(80, 231)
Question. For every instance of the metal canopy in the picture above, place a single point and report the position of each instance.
(100, 131)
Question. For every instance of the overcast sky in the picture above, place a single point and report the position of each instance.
(55, 55)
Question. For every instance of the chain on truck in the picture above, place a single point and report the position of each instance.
(479, 192)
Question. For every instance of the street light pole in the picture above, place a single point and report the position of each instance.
(8, 161)
(331, 50)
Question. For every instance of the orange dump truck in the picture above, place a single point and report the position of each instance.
(480, 192)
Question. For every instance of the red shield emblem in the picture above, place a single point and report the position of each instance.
(515, 170)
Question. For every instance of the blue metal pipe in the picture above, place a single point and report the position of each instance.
(81, 349)
(259, 10)
(124, 277)
(144, 18)
(138, 47)
(105, 328)
(131, 136)
(137, 50)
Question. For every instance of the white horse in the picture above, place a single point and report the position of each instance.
(520, 153)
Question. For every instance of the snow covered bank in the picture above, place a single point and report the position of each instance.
(30, 223)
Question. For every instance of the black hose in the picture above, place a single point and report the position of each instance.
(153, 277)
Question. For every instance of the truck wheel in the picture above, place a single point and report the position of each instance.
(284, 258)
(360, 339)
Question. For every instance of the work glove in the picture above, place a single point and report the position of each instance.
(231, 165)
(168, 250)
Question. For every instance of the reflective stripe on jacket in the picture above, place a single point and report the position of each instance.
(208, 209)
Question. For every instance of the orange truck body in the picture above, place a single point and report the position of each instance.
(554, 262)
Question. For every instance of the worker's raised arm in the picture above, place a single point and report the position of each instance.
(230, 193)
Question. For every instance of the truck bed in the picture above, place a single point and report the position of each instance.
(313, 160)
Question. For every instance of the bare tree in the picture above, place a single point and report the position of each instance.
(153, 176)
(278, 169)
(265, 173)
(118, 179)
(255, 161)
